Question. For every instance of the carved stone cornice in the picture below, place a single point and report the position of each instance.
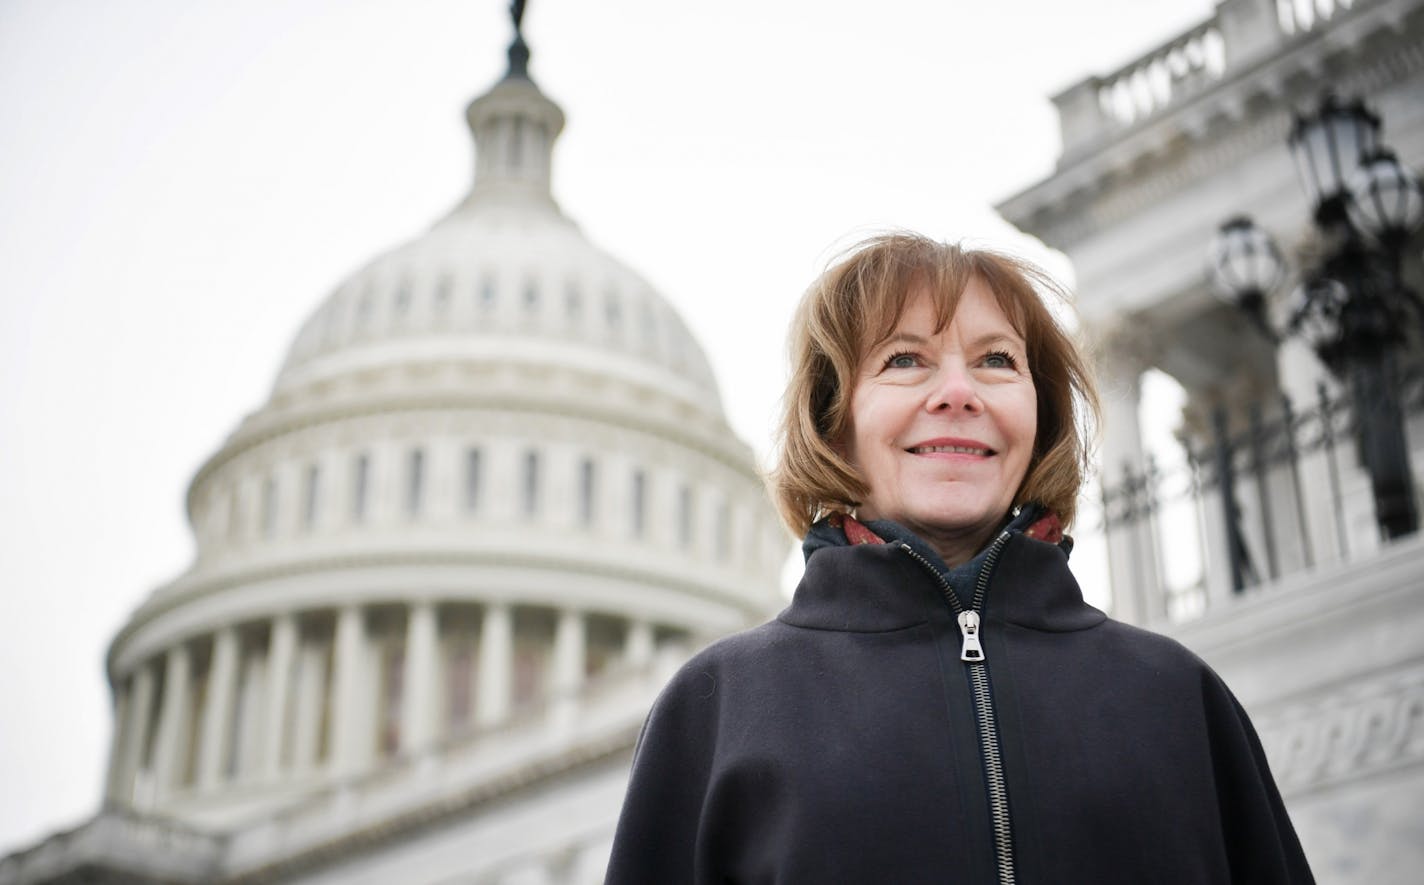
(1364, 727)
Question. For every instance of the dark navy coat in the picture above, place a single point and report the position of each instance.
(839, 744)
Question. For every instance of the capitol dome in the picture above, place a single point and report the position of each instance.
(492, 497)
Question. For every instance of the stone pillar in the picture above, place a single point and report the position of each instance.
(217, 709)
(495, 670)
(638, 646)
(123, 694)
(173, 720)
(350, 738)
(281, 648)
(1249, 29)
(1132, 553)
(1080, 117)
(307, 711)
(135, 731)
(569, 653)
(422, 670)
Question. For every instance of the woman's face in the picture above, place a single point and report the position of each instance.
(943, 423)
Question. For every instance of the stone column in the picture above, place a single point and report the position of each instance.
(350, 739)
(569, 653)
(422, 670)
(172, 750)
(638, 646)
(135, 730)
(307, 711)
(1080, 116)
(281, 649)
(217, 710)
(495, 669)
(123, 695)
(1249, 30)
(1132, 553)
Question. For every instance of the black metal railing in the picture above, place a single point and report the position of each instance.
(1267, 492)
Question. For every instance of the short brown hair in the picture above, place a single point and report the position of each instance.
(855, 305)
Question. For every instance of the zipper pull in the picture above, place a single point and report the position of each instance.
(969, 626)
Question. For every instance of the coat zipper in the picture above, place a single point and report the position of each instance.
(972, 653)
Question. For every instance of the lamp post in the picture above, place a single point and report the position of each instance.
(1353, 307)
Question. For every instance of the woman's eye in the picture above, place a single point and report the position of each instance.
(902, 361)
(999, 360)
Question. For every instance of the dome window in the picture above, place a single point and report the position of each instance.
(403, 298)
(363, 308)
(587, 488)
(414, 481)
(531, 296)
(310, 496)
(487, 293)
(442, 293)
(269, 507)
(533, 640)
(360, 487)
(329, 324)
(531, 483)
(613, 311)
(472, 480)
(460, 670)
(639, 503)
(234, 516)
(684, 516)
(649, 327)
(390, 657)
(722, 532)
(573, 301)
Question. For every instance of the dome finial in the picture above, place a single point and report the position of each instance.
(518, 49)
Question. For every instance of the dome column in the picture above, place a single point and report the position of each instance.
(570, 653)
(171, 751)
(280, 651)
(123, 697)
(306, 712)
(638, 646)
(217, 711)
(421, 673)
(350, 739)
(495, 665)
(135, 735)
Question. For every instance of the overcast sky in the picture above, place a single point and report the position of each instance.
(183, 181)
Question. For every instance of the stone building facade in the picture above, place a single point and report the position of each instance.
(1325, 642)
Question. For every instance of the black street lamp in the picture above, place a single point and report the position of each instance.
(1353, 308)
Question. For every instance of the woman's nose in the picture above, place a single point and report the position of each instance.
(953, 391)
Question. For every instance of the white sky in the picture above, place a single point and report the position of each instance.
(183, 181)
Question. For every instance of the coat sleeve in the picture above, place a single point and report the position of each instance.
(656, 842)
(1261, 844)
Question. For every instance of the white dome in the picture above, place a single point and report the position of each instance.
(492, 279)
(505, 276)
(493, 471)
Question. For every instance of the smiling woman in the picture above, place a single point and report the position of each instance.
(942, 422)
(933, 444)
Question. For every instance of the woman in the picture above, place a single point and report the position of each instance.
(938, 704)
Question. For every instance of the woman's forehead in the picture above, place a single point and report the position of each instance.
(930, 309)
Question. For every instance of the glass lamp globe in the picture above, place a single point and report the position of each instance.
(1245, 263)
(1386, 200)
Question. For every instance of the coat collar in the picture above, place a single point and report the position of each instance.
(856, 581)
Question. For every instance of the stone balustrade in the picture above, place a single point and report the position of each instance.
(1239, 33)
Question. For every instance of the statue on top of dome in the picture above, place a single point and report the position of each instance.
(518, 49)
